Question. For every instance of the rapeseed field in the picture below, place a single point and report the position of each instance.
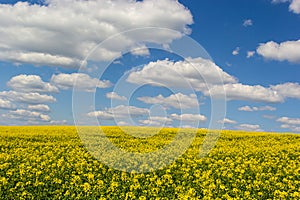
(51, 162)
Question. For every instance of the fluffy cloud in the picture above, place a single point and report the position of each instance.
(261, 108)
(140, 51)
(203, 75)
(179, 100)
(293, 128)
(236, 51)
(287, 120)
(82, 81)
(114, 95)
(289, 50)
(294, 5)
(59, 34)
(249, 127)
(239, 91)
(30, 98)
(156, 121)
(288, 90)
(28, 116)
(119, 112)
(227, 121)
(58, 122)
(5, 104)
(39, 107)
(30, 83)
(250, 54)
(189, 117)
(195, 72)
(290, 123)
(247, 22)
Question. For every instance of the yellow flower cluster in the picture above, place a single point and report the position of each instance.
(50, 162)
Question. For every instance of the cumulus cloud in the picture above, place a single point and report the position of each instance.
(290, 123)
(140, 51)
(119, 112)
(195, 72)
(250, 54)
(39, 107)
(179, 101)
(247, 22)
(293, 128)
(189, 117)
(5, 104)
(294, 5)
(288, 90)
(254, 108)
(31, 117)
(288, 120)
(114, 95)
(227, 121)
(59, 34)
(29, 98)
(204, 76)
(249, 127)
(236, 51)
(239, 91)
(30, 83)
(80, 81)
(156, 121)
(58, 122)
(285, 51)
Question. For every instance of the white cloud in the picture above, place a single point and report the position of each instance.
(39, 107)
(195, 72)
(294, 5)
(156, 121)
(39, 59)
(249, 127)
(30, 83)
(287, 120)
(189, 117)
(227, 121)
(62, 32)
(28, 116)
(30, 98)
(190, 73)
(82, 81)
(236, 51)
(58, 122)
(288, 90)
(119, 112)
(250, 54)
(140, 51)
(179, 100)
(239, 91)
(247, 22)
(5, 104)
(290, 123)
(254, 108)
(114, 95)
(245, 108)
(293, 128)
(289, 51)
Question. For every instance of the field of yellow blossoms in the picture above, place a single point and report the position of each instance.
(50, 162)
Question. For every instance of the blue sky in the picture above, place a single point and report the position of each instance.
(134, 76)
